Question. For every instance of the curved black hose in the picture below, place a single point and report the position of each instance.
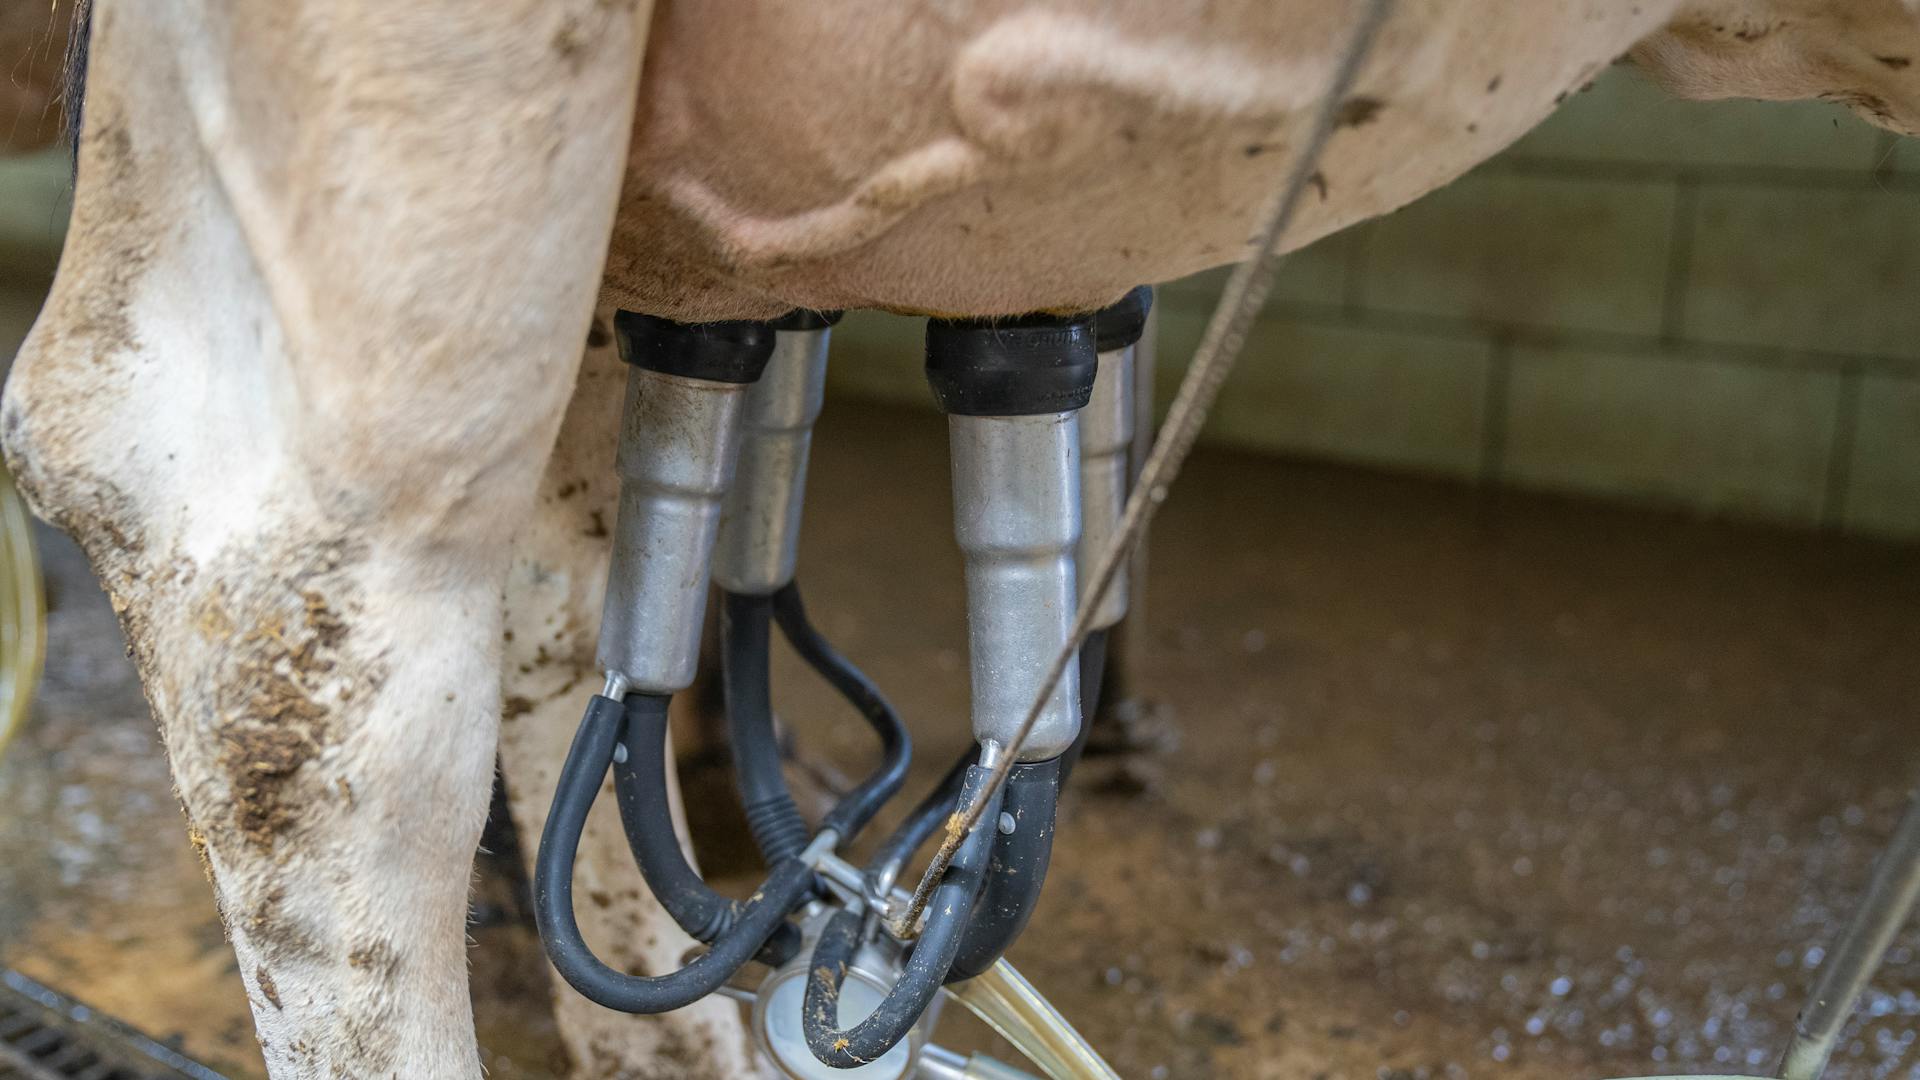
(1093, 668)
(948, 915)
(745, 640)
(1017, 870)
(1011, 897)
(640, 788)
(925, 817)
(857, 807)
(586, 766)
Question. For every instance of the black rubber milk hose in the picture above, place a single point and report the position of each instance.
(761, 921)
(948, 914)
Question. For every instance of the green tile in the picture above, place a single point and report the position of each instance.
(1807, 269)
(1393, 400)
(1525, 250)
(1738, 439)
(34, 198)
(1883, 482)
(1625, 118)
(1901, 156)
(880, 356)
(19, 306)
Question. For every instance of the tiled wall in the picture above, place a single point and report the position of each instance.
(33, 204)
(1713, 306)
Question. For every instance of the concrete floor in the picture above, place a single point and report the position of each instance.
(1448, 784)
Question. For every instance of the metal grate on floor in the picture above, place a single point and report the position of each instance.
(45, 1035)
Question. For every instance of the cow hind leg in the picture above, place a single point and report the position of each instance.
(312, 336)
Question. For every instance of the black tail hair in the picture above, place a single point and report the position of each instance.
(73, 82)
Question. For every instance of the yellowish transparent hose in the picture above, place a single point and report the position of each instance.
(1011, 1006)
(23, 612)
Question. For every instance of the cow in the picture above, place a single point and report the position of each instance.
(310, 391)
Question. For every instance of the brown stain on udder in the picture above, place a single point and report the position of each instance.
(1358, 110)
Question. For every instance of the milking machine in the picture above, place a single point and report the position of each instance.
(712, 463)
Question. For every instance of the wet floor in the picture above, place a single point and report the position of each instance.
(1436, 783)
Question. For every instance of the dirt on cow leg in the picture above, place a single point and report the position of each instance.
(102, 894)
